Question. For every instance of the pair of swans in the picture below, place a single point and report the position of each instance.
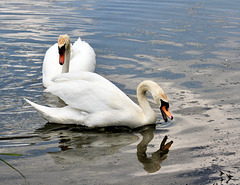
(94, 101)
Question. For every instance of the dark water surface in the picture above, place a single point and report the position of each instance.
(191, 48)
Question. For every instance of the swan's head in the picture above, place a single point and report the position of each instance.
(162, 101)
(159, 96)
(164, 108)
(63, 45)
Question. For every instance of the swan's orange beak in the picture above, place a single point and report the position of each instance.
(61, 52)
(166, 113)
(61, 58)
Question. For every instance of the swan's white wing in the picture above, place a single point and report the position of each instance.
(51, 65)
(83, 57)
(89, 92)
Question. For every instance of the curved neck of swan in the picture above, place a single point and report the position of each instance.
(156, 91)
(65, 67)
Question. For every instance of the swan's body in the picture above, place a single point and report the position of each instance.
(94, 101)
(76, 58)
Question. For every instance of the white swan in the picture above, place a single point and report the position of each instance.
(94, 101)
(63, 57)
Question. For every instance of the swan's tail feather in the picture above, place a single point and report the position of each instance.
(37, 107)
(64, 115)
(46, 112)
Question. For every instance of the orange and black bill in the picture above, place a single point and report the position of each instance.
(166, 114)
(61, 52)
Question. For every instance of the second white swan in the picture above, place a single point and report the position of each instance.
(94, 101)
(63, 57)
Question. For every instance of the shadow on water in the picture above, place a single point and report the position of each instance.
(82, 145)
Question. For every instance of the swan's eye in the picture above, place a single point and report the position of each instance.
(61, 50)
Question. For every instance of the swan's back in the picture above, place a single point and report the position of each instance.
(83, 57)
(88, 91)
(100, 99)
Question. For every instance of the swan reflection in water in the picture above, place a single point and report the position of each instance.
(152, 164)
(81, 145)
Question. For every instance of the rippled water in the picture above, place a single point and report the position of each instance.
(191, 48)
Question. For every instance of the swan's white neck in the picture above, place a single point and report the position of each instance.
(65, 66)
(157, 93)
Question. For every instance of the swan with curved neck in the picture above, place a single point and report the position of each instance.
(94, 101)
(63, 57)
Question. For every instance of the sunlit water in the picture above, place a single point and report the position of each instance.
(191, 48)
